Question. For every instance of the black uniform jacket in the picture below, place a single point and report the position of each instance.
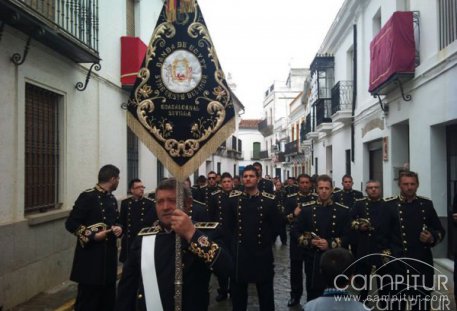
(330, 222)
(199, 258)
(291, 202)
(252, 222)
(380, 220)
(411, 218)
(95, 262)
(347, 198)
(135, 215)
(265, 185)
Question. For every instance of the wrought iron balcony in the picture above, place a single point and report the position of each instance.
(263, 154)
(265, 128)
(291, 148)
(342, 102)
(67, 26)
(281, 157)
(342, 96)
(323, 111)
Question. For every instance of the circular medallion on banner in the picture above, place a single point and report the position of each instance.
(181, 71)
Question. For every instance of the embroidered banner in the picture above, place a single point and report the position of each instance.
(181, 107)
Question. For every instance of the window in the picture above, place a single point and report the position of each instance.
(255, 151)
(240, 144)
(132, 155)
(377, 22)
(447, 22)
(42, 149)
(160, 171)
(234, 141)
(219, 167)
(348, 161)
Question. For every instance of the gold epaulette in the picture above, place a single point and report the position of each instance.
(205, 186)
(268, 195)
(425, 198)
(308, 203)
(199, 202)
(292, 195)
(206, 225)
(89, 190)
(341, 205)
(149, 199)
(149, 230)
(339, 190)
(391, 198)
(361, 199)
(216, 192)
(235, 193)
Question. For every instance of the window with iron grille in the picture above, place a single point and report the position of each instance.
(42, 149)
(132, 155)
(448, 22)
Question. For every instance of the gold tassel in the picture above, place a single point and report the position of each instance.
(170, 11)
(180, 172)
(187, 6)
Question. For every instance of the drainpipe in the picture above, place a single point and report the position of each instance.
(354, 90)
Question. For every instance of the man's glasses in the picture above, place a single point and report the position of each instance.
(211, 177)
(139, 187)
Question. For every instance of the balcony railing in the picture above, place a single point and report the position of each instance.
(291, 148)
(265, 128)
(342, 96)
(263, 154)
(68, 26)
(281, 157)
(323, 111)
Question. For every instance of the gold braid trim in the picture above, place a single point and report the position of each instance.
(207, 253)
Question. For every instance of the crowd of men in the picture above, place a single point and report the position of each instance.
(228, 226)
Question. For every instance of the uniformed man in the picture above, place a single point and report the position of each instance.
(280, 195)
(417, 229)
(204, 193)
(371, 232)
(321, 225)
(237, 183)
(94, 221)
(152, 260)
(137, 212)
(293, 207)
(253, 220)
(218, 214)
(291, 186)
(347, 195)
(264, 185)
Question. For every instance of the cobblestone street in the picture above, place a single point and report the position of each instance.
(281, 286)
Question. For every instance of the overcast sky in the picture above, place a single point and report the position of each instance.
(258, 40)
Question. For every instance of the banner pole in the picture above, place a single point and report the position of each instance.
(178, 253)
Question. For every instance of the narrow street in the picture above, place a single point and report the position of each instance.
(281, 285)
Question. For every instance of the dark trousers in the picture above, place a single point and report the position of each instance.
(95, 297)
(296, 278)
(223, 285)
(239, 294)
(315, 284)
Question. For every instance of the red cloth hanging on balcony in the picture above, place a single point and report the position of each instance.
(132, 55)
(392, 50)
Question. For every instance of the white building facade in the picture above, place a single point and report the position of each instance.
(413, 122)
(56, 137)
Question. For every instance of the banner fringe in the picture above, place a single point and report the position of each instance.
(181, 172)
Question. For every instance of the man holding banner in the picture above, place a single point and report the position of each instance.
(181, 108)
(151, 265)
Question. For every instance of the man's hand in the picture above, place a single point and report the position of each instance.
(182, 225)
(454, 217)
(100, 236)
(297, 211)
(363, 227)
(117, 231)
(321, 244)
(426, 237)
